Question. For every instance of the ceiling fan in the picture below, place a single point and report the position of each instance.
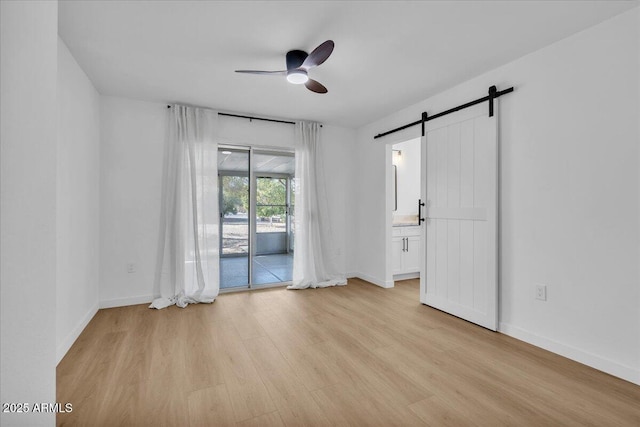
(299, 63)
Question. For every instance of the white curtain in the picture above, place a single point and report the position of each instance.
(314, 257)
(187, 269)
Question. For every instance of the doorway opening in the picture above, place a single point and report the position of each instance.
(404, 245)
(256, 199)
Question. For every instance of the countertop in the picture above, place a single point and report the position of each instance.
(405, 220)
(406, 224)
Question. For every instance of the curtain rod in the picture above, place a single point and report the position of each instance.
(254, 118)
(493, 94)
(257, 118)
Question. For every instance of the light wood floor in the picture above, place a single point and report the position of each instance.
(354, 355)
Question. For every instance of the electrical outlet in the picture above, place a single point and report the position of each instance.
(131, 267)
(541, 292)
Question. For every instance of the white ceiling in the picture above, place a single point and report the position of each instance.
(388, 54)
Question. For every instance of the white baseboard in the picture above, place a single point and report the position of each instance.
(605, 365)
(406, 276)
(122, 302)
(66, 344)
(382, 283)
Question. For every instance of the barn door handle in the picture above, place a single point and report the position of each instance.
(420, 205)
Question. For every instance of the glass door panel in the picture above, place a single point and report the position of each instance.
(273, 257)
(271, 229)
(233, 172)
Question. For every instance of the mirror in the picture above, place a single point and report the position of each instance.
(405, 158)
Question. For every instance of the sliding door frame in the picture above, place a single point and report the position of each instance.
(251, 150)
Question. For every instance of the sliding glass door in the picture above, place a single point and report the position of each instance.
(256, 205)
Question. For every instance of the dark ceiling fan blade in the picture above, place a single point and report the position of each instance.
(282, 73)
(319, 55)
(315, 86)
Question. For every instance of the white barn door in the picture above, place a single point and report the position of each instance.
(459, 271)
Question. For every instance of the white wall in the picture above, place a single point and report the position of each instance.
(408, 176)
(132, 141)
(28, 56)
(570, 193)
(131, 167)
(77, 201)
(638, 121)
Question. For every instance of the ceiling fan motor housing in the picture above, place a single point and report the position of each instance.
(295, 58)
